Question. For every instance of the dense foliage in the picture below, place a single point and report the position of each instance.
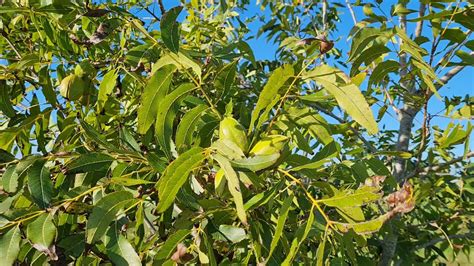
(133, 132)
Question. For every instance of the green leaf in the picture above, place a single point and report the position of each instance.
(106, 87)
(40, 184)
(359, 197)
(164, 119)
(271, 91)
(256, 163)
(42, 231)
(10, 246)
(368, 56)
(170, 28)
(228, 148)
(155, 90)
(10, 179)
(92, 134)
(301, 235)
(366, 227)
(362, 39)
(234, 186)
(119, 250)
(382, 70)
(104, 212)
(170, 244)
(180, 60)
(176, 175)
(6, 106)
(89, 162)
(313, 123)
(349, 98)
(320, 251)
(282, 215)
(225, 78)
(186, 127)
(233, 233)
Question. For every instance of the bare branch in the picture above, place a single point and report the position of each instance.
(437, 167)
(162, 7)
(349, 6)
(325, 8)
(419, 24)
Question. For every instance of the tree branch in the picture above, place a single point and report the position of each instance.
(437, 167)
(419, 24)
(349, 6)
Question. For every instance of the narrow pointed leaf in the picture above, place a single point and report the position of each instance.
(104, 212)
(271, 91)
(155, 90)
(233, 185)
(170, 244)
(164, 123)
(170, 28)
(119, 250)
(106, 87)
(10, 246)
(282, 215)
(186, 127)
(256, 163)
(40, 184)
(176, 175)
(89, 162)
(359, 197)
(10, 179)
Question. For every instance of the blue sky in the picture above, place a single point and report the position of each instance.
(460, 85)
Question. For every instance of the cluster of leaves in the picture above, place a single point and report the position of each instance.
(168, 142)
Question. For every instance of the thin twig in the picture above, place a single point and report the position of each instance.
(349, 6)
(5, 35)
(437, 167)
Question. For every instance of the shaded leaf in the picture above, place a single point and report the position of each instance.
(170, 28)
(164, 121)
(170, 244)
(104, 212)
(282, 215)
(40, 184)
(89, 162)
(119, 250)
(10, 246)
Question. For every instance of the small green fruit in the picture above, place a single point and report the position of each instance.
(72, 87)
(269, 145)
(230, 129)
